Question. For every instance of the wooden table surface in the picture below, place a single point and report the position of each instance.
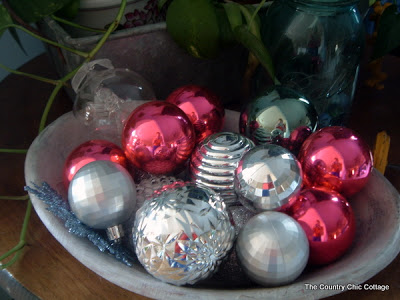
(47, 270)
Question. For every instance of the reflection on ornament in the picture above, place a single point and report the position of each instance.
(328, 221)
(267, 178)
(214, 161)
(336, 158)
(275, 114)
(91, 151)
(203, 108)
(181, 235)
(272, 249)
(102, 195)
(103, 94)
(158, 138)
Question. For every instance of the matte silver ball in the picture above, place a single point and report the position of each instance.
(272, 249)
(268, 177)
(182, 234)
(102, 194)
(275, 114)
(215, 160)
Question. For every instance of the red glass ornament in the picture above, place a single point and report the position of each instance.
(336, 158)
(328, 221)
(203, 108)
(158, 137)
(90, 151)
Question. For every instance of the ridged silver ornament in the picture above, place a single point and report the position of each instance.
(182, 234)
(268, 177)
(272, 249)
(215, 160)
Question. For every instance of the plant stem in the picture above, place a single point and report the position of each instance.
(259, 6)
(110, 29)
(21, 242)
(60, 20)
(40, 78)
(72, 50)
(59, 85)
(18, 198)
(16, 151)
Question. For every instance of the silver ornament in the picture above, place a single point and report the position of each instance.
(181, 235)
(214, 161)
(275, 114)
(102, 195)
(267, 178)
(272, 249)
(144, 190)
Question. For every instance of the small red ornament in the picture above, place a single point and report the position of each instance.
(203, 108)
(336, 158)
(328, 221)
(158, 137)
(90, 151)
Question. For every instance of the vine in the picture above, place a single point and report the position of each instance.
(15, 252)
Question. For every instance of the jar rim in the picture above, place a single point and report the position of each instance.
(329, 2)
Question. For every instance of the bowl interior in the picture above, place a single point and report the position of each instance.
(377, 241)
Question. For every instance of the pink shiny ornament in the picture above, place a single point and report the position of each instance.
(328, 221)
(336, 158)
(90, 151)
(158, 137)
(203, 108)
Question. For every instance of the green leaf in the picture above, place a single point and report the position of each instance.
(70, 10)
(226, 36)
(194, 26)
(16, 38)
(233, 13)
(161, 3)
(34, 10)
(5, 19)
(255, 46)
(388, 37)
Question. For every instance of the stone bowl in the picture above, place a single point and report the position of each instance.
(377, 242)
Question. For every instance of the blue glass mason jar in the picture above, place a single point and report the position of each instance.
(316, 49)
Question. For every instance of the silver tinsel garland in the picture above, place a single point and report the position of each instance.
(59, 207)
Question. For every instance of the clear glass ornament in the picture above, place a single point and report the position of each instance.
(105, 95)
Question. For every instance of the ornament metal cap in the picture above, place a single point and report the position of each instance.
(115, 233)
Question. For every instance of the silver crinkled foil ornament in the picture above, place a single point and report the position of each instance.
(215, 160)
(102, 195)
(275, 114)
(268, 177)
(272, 249)
(182, 234)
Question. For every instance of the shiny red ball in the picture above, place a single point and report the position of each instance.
(203, 108)
(336, 158)
(158, 137)
(90, 151)
(328, 221)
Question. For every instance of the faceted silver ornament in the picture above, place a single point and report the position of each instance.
(102, 195)
(272, 249)
(268, 177)
(215, 160)
(182, 234)
(275, 114)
